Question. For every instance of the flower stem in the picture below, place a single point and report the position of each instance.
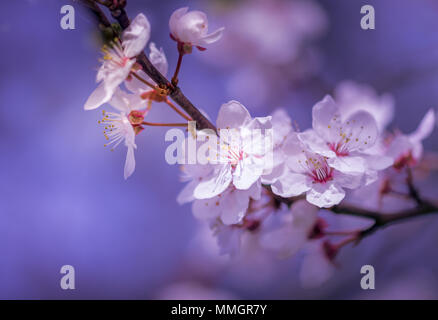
(178, 67)
(170, 104)
(143, 80)
(156, 124)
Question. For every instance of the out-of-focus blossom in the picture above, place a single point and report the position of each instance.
(352, 97)
(268, 47)
(273, 32)
(291, 230)
(308, 172)
(317, 266)
(191, 290)
(408, 149)
(121, 126)
(119, 60)
(191, 28)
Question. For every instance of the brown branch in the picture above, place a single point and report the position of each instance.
(382, 220)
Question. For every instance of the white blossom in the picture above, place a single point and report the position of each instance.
(118, 126)
(119, 60)
(191, 27)
(309, 172)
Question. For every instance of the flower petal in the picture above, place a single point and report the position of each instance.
(98, 97)
(359, 131)
(210, 38)
(325, 195)
(291, 185)
(315, 143)
(218, 181)
(129, 163)
(232, 115)
(206, 209)
(174, 19)
(233, 207)
(158, 59)
(348, 164)
(136, 36)
(425, 128)
(326, 119)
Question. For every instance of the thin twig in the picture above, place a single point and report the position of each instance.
(156, 124)
(170, 104)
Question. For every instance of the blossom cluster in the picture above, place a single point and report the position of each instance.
(268, 178)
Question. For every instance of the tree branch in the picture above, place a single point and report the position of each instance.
(382, 220)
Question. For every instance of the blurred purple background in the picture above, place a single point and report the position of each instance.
(63, 199)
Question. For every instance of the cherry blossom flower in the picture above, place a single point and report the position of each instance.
(408, 149)
(191, 28)
(243, 156)
(159, 60)
(119, 60)
(344, 140)
(123, 125)
(291, 230)
(309, 172)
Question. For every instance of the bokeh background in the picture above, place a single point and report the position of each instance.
(63, 199)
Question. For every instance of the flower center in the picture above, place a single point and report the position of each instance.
(339, 148)
(116, 128)
(115, 54)
(318, 169)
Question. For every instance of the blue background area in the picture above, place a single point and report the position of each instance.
(63, 199)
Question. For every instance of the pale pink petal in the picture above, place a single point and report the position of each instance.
(98, 97)
(136, 86)
(232, 115)
(425, 128)
(186, 194)
(295, 153)
(234, 207)
(129, 163)
(206, 209)
(246, 173)
(378, 162)
(326, 119)
(211, 38)
(174, 20)
(353, 180)
(291, 185)
(191, 27)
(359, 131)
(348, 164)
(215, 184)
(315, 143)
(325, 195)
(158, 59)
(136, 36)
